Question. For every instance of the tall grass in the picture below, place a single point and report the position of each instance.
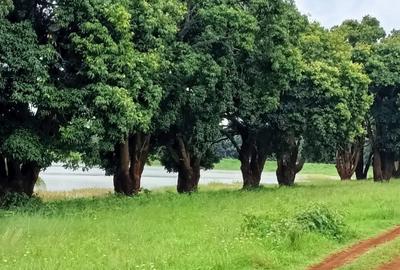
(163, 230)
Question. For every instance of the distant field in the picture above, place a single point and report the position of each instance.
(218, 228)
(270, 166)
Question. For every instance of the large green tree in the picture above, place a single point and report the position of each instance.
(210, 37)
(383, 67)
(362, 35)
(326, 108)
(27, 101)
(257, 79)
(113, 55)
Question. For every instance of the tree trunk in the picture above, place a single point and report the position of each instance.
(252, 163)
(360, 164)
(123, 183)
(288, 164)
(363, 165)
(384, 165)
(3, 175)
(347, 161)
(139, 148)
(363, 169)
(188, 178)
(387, 165)
(377, 166)
(188, 169)
(30, 174)
(17, 177)
(396, 171)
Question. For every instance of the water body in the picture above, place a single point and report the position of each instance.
(57, 178)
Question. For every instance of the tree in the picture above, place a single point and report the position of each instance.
(192, 103)
(362, 35)
(257, 78)
(325, 108)
(366, 31)
(383, 67)
(112, 55)
(27, 103)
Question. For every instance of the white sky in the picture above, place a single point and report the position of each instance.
(332, 12)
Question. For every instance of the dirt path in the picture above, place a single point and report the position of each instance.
(352, 253)
(394, 265)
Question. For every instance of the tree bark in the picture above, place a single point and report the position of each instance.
(123, 183)
(347, 160)
(396, 170)
(363, 169)
(377, 166)
(3, 175)
(139, 148)
(387, 165)
(188, 169)
(252, 163)
(384, 165)
(188, 178)
(289, 164)
(17, 177)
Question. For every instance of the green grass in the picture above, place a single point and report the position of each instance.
(270, 166)
(164, 230)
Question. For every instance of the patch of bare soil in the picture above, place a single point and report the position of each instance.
(350, 254)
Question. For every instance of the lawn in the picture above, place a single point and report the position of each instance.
(220, 227)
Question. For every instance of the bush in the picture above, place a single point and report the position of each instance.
(315, 219)
(11, 201)
(322, 220)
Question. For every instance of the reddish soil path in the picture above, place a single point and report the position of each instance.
(352, 253)
(394, 265)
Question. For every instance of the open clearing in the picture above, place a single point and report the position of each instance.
(163, 230)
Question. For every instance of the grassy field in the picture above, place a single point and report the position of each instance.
(270, 166)
(218, 228)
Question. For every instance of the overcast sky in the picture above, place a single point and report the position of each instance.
(333, 12)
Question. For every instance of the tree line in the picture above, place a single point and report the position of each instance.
(112, 83)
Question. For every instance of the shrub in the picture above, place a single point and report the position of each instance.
(323, 220)
(315, 219)
(11, 201)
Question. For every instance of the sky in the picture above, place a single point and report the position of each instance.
(332, 12)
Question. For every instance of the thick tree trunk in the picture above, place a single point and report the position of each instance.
(17, 177)
(387, 165)
(289, 164)
(188, 169)
(188, 178)
(252, 163)
(377, 166)
(363, 169)
(363, 165)
(30, 174)
(123, 183)
(347, 161)
(384, 165)
(139, 146)
(396, 171)
(360, 164)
